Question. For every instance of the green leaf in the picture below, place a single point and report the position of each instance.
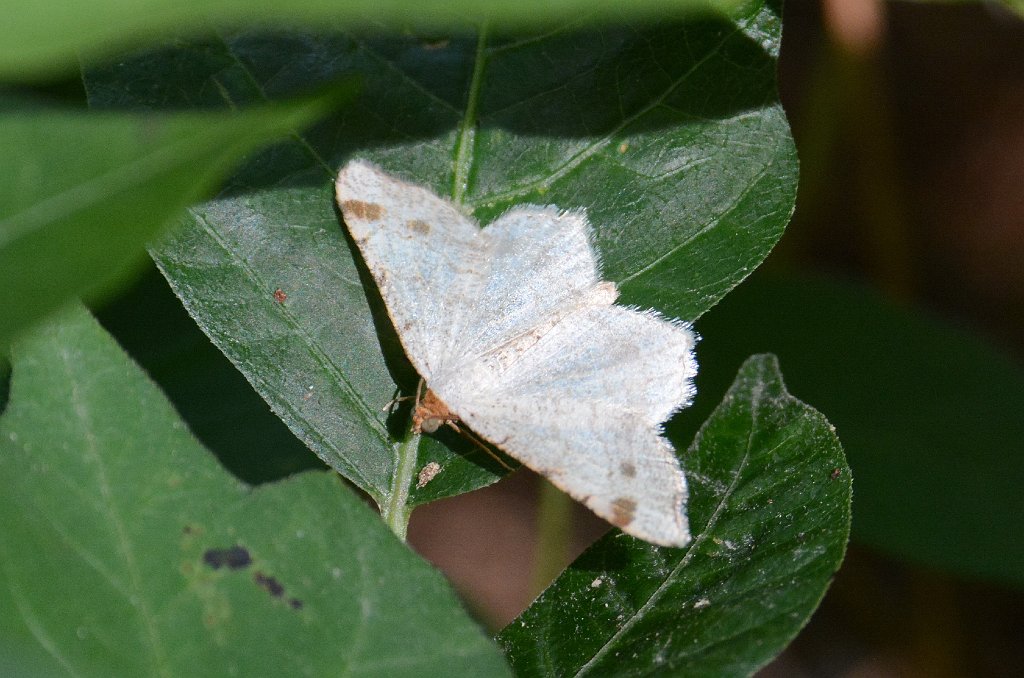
(770, 513)
(44, 36)
(212, 397)
(929, 415)
(126, 550)
(84, 192)
(670, 136)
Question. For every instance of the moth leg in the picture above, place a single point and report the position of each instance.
(473, 438)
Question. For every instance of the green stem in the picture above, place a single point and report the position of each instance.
(467, 131)
(396, 510)
(554, 529)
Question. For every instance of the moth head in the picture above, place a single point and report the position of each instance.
(431, 414)
(431, 424)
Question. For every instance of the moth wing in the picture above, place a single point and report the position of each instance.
(427, 258)
(628, 360)
(584, 405)
(616, 465)
(541, 264)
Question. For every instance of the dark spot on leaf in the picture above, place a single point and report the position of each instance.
(367, 211)
(280, 296)
(628, 469)
(233, 557)
(418, 226)
(5, 385)
(623, 510)
(836, 472)
(295, 603)
(273, 587)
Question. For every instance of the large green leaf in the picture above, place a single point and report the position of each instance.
(126, 550)
(929, 415)
(770, 513)
(44, 36)
(82, 193)
(670, 136)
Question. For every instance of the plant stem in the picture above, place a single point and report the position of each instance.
(467, 131)
(396, 511)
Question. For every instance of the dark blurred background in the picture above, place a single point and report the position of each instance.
(909, 121)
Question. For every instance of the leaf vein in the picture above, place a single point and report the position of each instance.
(28, 616)
(255, 83)
(138, 598)
(589, 151)
(703, 228)
(656, 595)
(409, 80)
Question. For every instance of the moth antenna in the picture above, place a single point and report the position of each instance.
(389, 406)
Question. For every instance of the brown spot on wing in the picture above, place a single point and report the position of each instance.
(418, 226)
(367, 211)
(623, 510)
(628, 469)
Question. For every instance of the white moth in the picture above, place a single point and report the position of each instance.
(517, 337)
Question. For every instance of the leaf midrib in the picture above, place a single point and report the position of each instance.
(138, 600)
